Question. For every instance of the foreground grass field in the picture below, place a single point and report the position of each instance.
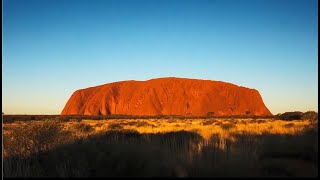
(160, 147)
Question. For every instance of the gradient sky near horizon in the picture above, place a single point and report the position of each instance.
(51, 48)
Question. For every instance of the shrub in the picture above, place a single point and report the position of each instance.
(312, 117)
(139, 124)
(227, 126)
(171, 120)
(289, 125)
(64, 119)
(259, 121)
(129, 123)
(208, 122)
(297, 115)
(127, 153)
(210, 114)
(218, 123)
(34, 137)
(115, 126)
(84, 127)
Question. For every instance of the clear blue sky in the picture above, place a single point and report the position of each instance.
(53, 47)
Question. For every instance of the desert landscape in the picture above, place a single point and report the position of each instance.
(160, 147)
(90, 140)
(159, 88)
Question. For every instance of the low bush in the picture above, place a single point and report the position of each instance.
(34, 137)
(83, 127)
(115, 126)
(297, 115)
(227, 126)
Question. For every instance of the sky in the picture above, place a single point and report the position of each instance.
(50, 48)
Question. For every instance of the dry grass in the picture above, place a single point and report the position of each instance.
(205, 127)
(163, 147)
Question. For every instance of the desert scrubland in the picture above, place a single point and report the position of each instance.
(210, 147)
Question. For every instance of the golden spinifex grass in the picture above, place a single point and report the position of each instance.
(205, 127)
(224, 128)
(160, 147)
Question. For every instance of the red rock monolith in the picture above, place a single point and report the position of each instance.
(167, 96)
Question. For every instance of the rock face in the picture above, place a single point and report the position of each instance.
(166, 96)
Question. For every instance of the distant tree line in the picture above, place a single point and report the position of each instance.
(297, 115)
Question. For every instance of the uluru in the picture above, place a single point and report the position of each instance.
(167, 96)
